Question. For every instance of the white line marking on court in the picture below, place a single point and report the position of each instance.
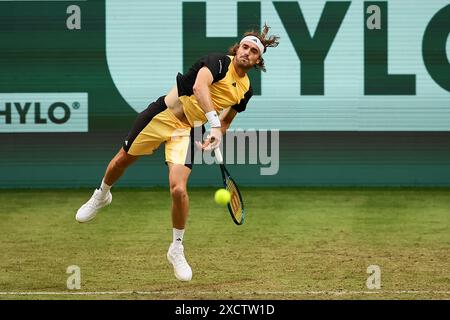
(335, 293)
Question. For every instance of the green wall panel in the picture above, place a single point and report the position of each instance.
(375, 111)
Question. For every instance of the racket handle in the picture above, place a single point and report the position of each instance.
(218, 155)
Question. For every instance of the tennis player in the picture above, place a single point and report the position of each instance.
(214, 90)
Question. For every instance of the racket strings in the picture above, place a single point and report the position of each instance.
(235, 204)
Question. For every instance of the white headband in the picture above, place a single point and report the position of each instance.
(256, 41)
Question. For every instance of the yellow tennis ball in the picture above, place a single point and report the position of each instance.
(222, 197)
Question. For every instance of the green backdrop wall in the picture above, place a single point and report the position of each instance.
(375, 111)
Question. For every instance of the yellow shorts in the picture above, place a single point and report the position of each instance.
(156, 125)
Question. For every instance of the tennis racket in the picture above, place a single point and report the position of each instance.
(236, 205)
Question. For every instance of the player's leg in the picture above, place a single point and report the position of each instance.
(178, 177)
(102, 195)
(179, 156)
(142, 139)
(117, 166)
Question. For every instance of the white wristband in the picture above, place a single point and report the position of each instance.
(213, 119)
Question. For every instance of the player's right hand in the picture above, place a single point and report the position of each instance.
(215, 138)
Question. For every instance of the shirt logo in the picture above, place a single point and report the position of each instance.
(220, 67)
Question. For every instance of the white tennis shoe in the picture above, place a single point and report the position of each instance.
(89, 210)
(175, 255)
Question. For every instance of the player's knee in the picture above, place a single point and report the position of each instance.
(178, 191)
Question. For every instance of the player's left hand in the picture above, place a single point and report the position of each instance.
(202, 146)
(212, 141)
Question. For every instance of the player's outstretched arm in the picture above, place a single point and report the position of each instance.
(201, 92)
(201, 89)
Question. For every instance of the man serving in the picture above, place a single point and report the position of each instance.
(214, 90)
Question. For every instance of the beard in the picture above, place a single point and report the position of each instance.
(244, 63)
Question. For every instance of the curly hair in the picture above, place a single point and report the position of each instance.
(271, 41)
